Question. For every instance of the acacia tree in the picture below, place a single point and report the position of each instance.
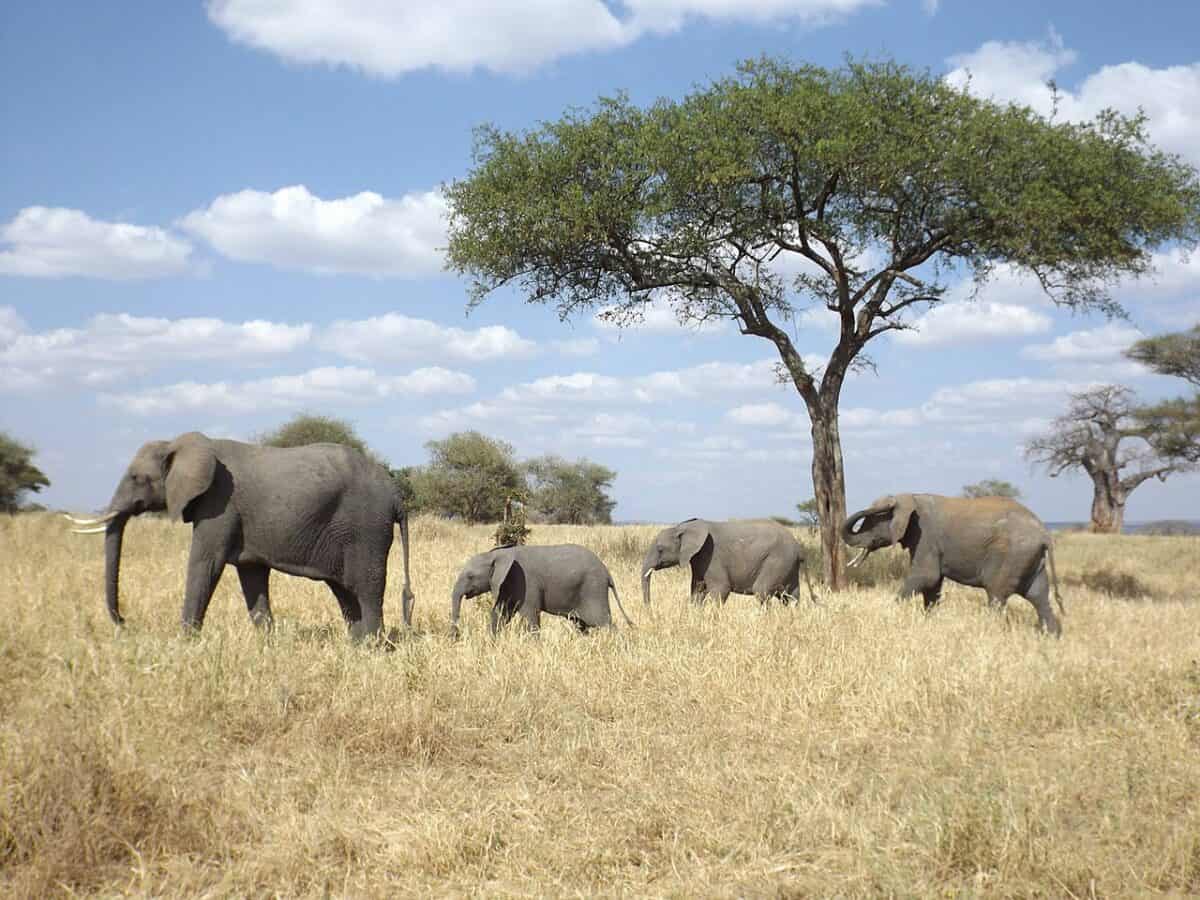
(873, 179)
(1172, 426)
(470, 476)
(571, 493)
(1100, 433)
(18, 474)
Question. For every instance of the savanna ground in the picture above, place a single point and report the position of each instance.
(858, 747)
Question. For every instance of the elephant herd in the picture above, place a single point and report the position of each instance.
(326, 512)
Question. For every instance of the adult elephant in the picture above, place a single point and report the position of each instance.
(760, 558)
(323, 511)
(990, 542)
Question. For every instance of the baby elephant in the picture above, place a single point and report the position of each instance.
(760, 558)
(562, 580)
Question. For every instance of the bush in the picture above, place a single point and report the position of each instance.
(1121, 585)
(18, 475)
(469, 476)
(571, 493)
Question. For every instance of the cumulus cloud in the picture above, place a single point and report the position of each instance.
(52, 242)
(390, 39)
(1103, 344)
(959, 323)
(577, 346)
(323, 387)
(112, 345)
(397, 337)
(763, 415)
(1019, 72)
(364, 234)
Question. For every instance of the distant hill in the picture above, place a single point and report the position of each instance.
(1158, 527)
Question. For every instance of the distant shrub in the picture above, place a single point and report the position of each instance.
(1121, 585)
(513, 530)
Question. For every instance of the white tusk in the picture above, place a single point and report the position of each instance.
(96, 530)
(862, 554)
(646, 574)
(98, 521)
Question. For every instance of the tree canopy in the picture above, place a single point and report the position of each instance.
(18, 474)
(992, 487)
(308, 428)
(873, 179)
(469, 476)
(1172, 426)
(570, 493)
(1176, 354)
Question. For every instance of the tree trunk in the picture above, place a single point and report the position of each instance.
(829, 487)
(1108, 504)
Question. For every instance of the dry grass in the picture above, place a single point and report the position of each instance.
(856, 748)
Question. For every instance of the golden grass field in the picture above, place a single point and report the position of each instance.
(855, 748)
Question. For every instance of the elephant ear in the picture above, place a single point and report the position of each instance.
(902, 513)
(190, 465)
(504, 566)
(691, 541)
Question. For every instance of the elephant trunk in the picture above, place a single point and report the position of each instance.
(649, 564)
(849, 535)
(114, 533)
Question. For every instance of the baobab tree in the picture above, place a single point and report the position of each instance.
(1101, 434)
(875, 180)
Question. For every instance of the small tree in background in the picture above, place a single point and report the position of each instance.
(513, 530)
(810, 513)
(1176, 354)
(1100, 434)
(18, 474)
(992, 487)
(469, 476)
(1173, 426)
(571, 493)
(308, 428)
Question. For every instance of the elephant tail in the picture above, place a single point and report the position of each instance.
(1054, 575)
(400, 516)
(612, 586)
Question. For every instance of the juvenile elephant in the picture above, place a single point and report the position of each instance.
(562, 580)
(990, 542)
(322, 511)
(760, 558)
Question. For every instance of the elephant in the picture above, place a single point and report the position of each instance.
(760, 558)
(990, 542)
(561, 580)
(322, 511)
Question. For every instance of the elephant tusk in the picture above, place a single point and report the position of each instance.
(98, 529)
(862, 554)
(99, 521)
(646, 574)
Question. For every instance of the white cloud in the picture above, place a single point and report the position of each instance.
(764, 415)
(52, 242)
(577, 346)
(110, 346)
(960, 323)
(364, 234)
(390, 39)
(393, 337)
(1103, 344)
(1019, 72)
(328, 386)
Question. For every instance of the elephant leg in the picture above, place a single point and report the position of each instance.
(348, 602)
(531, 614)
(932, 595)
(1039, 595)
(203, 573)
(256, 581)
(500, 616)
(699, 590)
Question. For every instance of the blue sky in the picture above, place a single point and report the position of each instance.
(213, 216)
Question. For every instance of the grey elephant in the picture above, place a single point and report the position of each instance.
(562, 580)
(323, 511)
(760, 558)
(990, 542)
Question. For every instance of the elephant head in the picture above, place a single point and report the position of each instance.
(674, 546)
(483, 572)
(884, 522)
(162, 476)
